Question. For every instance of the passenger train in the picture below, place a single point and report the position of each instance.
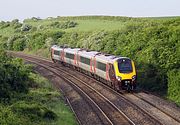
(115, 71)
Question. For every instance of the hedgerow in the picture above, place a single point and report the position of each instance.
(153, 43)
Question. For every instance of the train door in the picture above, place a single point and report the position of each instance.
(61, 55)
(94, 65)
(75, 58)
(52, 53)
(116, 85)
(107, 72)
(112, 75)
(91, 65)
(78, 60)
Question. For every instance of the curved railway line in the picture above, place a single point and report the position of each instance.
(112, 115)
(114, 107)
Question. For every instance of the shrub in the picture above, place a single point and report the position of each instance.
(63, 25)
(26, 27)
(8, 117)
(34, 111)
(19, 45)
(13, 77)
(174, 86)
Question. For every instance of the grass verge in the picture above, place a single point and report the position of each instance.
(41, 106)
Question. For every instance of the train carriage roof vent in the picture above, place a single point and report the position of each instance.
(107, 55)
(83, 49)
(113, 57)
(99, 53)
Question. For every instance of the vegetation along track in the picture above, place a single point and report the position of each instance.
(110, 112)
(132, 107)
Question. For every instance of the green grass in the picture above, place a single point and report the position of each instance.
(84, 25)
(53, 100)
(7, 31)
(96, 25)
(41, 52)
(41, 106)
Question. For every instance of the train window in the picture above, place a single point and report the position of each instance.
(85, 60)
(101, 66)
(56, 52)
(69, 55)
(125, 66)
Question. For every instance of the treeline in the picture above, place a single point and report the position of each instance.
(110, 18)
(19, 28)
(154, 45)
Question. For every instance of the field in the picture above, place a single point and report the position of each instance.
(153, 43)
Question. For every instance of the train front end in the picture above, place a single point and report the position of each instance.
(125, 73)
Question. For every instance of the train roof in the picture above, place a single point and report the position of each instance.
(87, 53)
(55, 47)
(106, 57)
(70, 50)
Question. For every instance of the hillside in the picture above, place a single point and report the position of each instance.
(153, 43)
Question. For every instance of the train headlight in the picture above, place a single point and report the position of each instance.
(118, 78)
(134, 78)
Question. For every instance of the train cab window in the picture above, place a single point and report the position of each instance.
(84, 60)
(125, 66)
(101, 66)
(56, 52)
(69, 55)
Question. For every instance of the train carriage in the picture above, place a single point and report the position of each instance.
(70, 56)
(86, 60)
(56, 53)
(120, 72)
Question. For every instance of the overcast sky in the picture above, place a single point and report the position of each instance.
(21, 9)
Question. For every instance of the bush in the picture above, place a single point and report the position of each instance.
(8, 117)
(26, 27)
(19, 45)
(63, 25)
(174, 86)
(34, 112)
(13, 77)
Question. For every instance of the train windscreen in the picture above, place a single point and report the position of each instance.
(124, 65)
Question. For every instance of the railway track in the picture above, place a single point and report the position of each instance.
(86, 112)
(150, 117)
(173, 116)
(110, 112)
